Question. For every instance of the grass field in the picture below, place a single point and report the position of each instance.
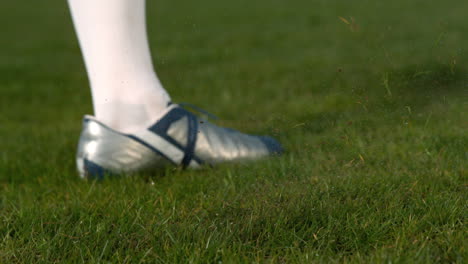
(371, 108)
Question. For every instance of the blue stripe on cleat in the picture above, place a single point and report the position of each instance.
(94, 171)
(273, 146)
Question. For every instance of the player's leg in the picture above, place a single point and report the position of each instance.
(135, 129)
(127, 94)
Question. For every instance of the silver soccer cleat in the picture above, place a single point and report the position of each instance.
(178, 138)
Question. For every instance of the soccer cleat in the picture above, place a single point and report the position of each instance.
(179, 138)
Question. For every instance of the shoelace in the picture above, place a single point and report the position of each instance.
(199, 110)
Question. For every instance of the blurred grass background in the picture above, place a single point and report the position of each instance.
(369, 99)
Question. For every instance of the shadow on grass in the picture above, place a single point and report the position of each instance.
(390, 95)
(436, 79)
(421, 85)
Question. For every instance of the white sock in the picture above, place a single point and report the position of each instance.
(127, 94)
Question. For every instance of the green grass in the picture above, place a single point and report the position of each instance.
(373, 118)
